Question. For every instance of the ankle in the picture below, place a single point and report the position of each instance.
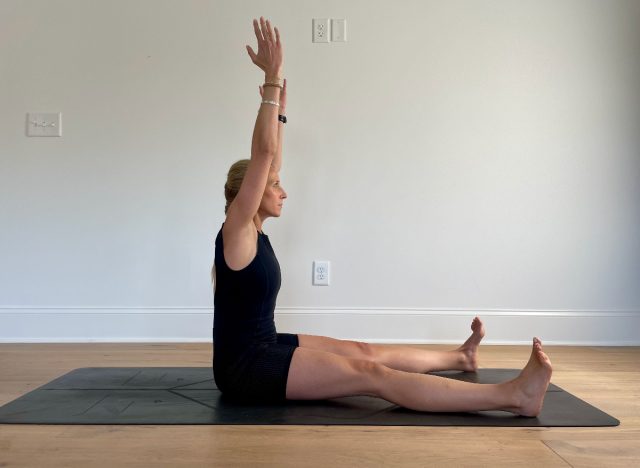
(512, 396)
(465, 360)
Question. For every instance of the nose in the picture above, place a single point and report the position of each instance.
(284, 194)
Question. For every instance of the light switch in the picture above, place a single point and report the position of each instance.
(41, 124)
(338, 30)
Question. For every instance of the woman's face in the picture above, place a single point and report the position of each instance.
(273, 197)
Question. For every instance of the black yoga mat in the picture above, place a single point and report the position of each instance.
(188, 395)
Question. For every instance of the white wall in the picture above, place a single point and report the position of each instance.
(451, 158)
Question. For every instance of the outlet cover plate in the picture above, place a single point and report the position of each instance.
(321, 272)
(321, 30)
(43, 124)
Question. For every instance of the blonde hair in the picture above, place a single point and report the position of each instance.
(234, 181)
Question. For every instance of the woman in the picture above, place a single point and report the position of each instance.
(254, 363)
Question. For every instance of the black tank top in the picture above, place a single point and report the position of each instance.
(244, 300)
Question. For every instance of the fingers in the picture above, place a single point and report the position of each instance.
(264, 32)
(270, 32)
(252, 54)
(269, 45)
(283, 93)
(258, 32)
(263, 27)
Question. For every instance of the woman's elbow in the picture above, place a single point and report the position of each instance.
(264, 153)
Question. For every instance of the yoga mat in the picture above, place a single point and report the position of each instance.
(188, 395)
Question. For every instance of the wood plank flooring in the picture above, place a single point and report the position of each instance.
(608, 378)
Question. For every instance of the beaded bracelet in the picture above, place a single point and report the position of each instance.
(273, 103)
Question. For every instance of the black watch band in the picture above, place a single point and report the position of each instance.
(282, 118)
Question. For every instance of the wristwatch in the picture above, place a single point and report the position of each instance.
(282, 118)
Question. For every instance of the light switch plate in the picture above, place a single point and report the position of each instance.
(338, 30)
(44, 124)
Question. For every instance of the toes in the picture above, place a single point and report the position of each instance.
(545, 357)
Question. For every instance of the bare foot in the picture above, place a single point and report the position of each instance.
(531, 385)
(469, 350)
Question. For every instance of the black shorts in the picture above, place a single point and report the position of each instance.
(258, 373)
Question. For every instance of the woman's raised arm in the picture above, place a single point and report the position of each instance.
(264, 144)
(276, 164)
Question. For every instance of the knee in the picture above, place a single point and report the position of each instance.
(372, 373)
(365, 351)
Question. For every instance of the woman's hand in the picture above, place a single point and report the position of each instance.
(270, 56)
(283, 96)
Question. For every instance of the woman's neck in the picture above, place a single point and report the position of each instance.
(258, 221)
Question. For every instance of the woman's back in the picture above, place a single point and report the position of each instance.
(245, 300)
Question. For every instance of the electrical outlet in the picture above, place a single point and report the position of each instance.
(44, 124)
(321, 272)
(321, 30)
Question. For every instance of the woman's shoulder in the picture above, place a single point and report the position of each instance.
(239, 244)
(219, 240)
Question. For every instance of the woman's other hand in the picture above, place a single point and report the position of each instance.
(270, 55)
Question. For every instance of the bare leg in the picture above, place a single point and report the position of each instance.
(318, 375)
(404, 358)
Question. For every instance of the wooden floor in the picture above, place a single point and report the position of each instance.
(608, 378)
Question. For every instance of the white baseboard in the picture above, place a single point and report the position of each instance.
(390, 325)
